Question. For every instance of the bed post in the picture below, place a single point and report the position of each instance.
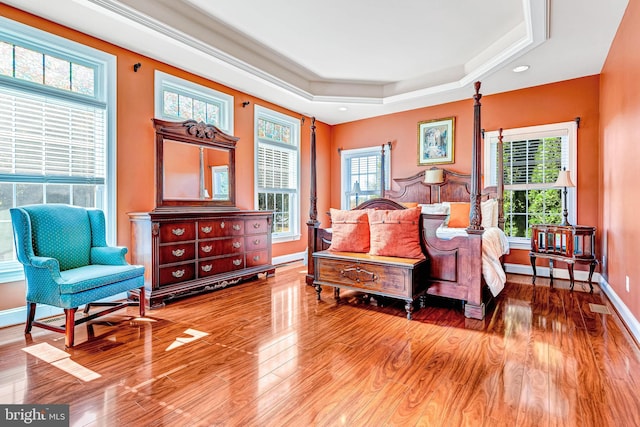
(474, 306)
(475, 215)
(382, 170)
(313, 223)
(500, 179)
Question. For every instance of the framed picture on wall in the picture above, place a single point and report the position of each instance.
(435, 141)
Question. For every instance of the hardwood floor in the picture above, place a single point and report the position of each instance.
(266, 353)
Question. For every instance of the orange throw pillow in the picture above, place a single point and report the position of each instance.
(459, 215)
(349, 231)
(396, 233)
(409, 204)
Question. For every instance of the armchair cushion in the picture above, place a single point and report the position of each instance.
(93, 276)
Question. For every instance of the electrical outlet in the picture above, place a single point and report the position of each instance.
(627, 283)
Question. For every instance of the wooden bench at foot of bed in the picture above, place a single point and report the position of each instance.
(393, 277)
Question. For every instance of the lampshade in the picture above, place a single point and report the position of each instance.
(564, 179)
(433, 176)
(356, 188)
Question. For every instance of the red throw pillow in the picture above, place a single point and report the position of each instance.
(396, 233)
(349, 231)
(459, 215)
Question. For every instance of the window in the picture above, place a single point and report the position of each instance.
(533, 157)
(363, 166)
(178, 100)
(277, 140)
(57, 145)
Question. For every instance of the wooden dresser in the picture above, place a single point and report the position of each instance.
(190, 251)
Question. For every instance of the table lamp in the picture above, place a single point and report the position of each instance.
(355, 190)
(564, 181)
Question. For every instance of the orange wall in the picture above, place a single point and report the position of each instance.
(135, 135)
(619, 152)
(557, 102)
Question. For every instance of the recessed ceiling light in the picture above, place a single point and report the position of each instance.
(342, 108)
(520, 68)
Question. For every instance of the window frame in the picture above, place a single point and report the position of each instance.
(345, 170)
(184, 87)
(294, 207)
(569, 160)
(104, 66)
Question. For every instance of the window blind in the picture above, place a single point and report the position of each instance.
(46, 140)
(276, 168)
(366, 170)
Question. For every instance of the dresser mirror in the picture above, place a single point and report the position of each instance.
(195, 165)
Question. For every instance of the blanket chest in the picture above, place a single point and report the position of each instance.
(393, 277)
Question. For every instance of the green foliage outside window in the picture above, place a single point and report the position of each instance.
(531, 169)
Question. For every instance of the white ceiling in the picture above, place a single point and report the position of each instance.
(343, 60)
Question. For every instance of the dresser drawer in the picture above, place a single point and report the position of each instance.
(256, 226)
(257, 258)
(220, 228)
(231, 245)
(177, 253)
(390, 280)
(220, 265)
(177, 231)
(255, 242)
(177, 273)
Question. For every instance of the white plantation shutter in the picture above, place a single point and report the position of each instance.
(277, 164)
(57, 128)
(276, 168)
(520, 158)
(45, 140)
(365, 170)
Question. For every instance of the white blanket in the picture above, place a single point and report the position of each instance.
(494, 245)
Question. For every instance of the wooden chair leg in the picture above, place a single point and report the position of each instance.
(69, 328)
(31, 314)
(142, 301)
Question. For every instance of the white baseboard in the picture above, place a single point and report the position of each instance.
(18, 315)
(626, 316)
(558, 272)
(285, 259)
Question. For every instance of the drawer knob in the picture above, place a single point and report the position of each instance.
(206, 229)
(222, 224)
(256, 225)
(207, 248)
(237, 262)
(177, 231)
(236, 245)
(256, 242)
(206, 268)
(236, 227)
(256, 258)
(178, 252)
(177, 274)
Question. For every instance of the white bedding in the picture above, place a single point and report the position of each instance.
(494, 245)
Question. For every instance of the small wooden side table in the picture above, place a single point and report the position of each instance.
(566, 243)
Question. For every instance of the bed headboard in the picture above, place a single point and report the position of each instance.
(455, 187)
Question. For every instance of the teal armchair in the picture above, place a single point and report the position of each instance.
(68, 264)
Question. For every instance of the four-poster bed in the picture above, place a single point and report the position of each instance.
(459, 267)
